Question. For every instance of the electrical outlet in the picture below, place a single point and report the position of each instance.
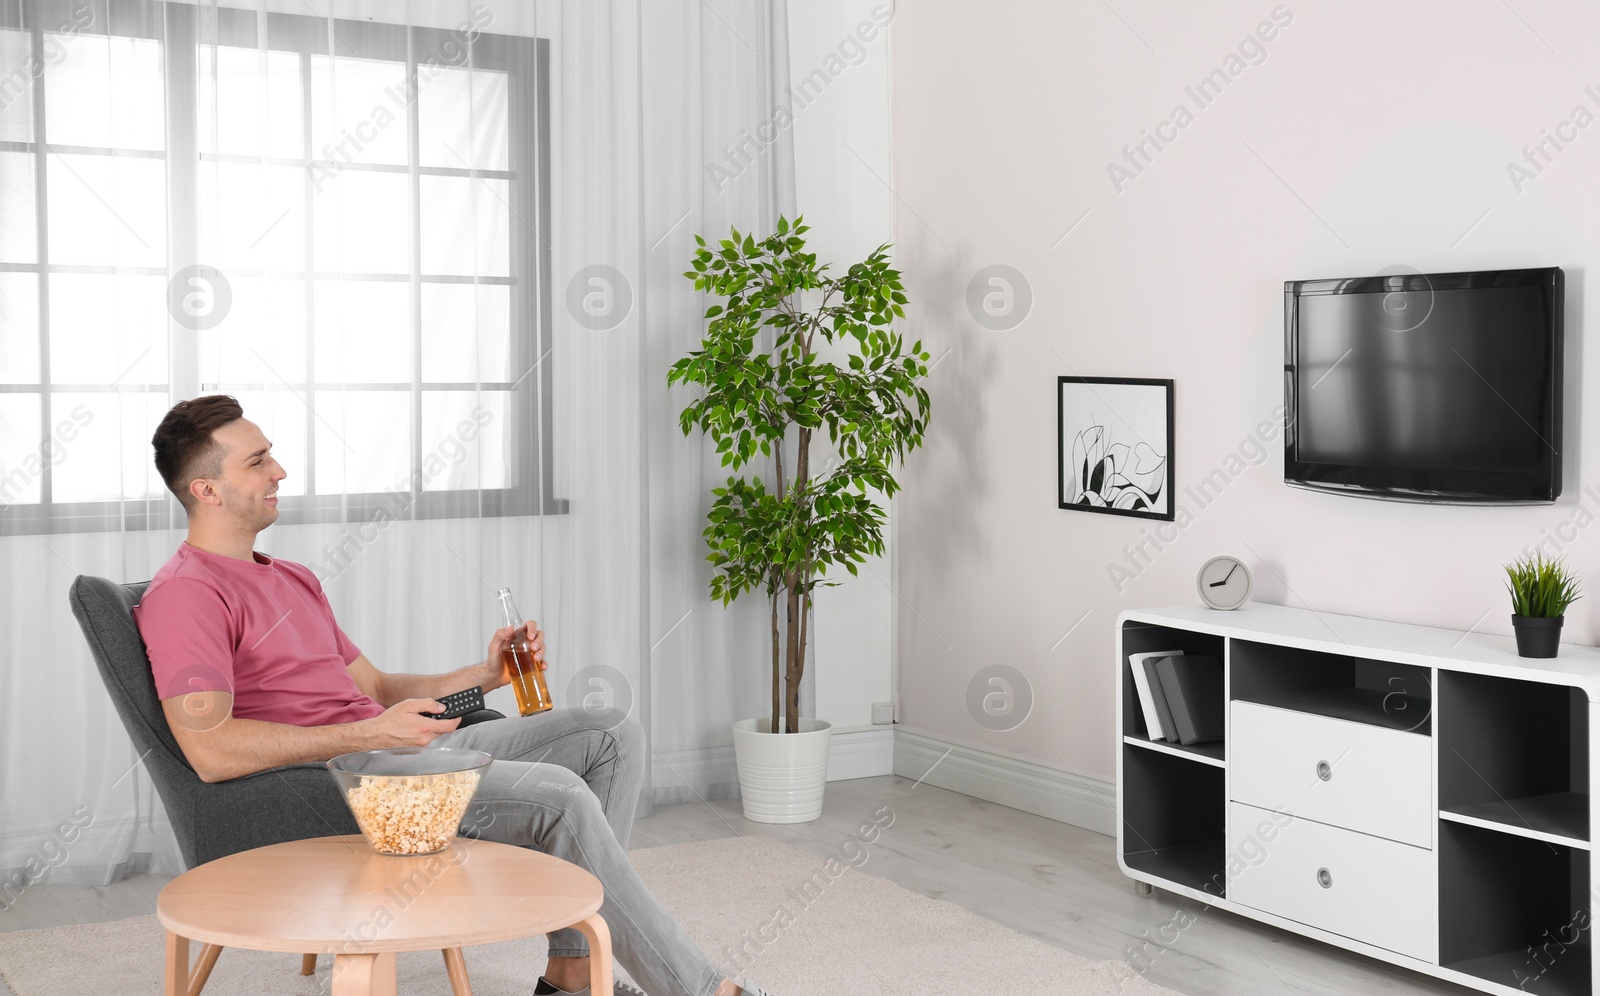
(882, 713)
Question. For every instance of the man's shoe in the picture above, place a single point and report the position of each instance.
(618, 988)
(751, 989)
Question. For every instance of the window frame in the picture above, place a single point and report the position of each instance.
(183, 30)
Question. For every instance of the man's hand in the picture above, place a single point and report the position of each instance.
(494, 664)
(403, 725)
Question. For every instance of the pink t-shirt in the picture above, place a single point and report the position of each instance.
(263, 631)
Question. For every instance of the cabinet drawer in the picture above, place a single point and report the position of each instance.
(1333, 771)
(1362, 887)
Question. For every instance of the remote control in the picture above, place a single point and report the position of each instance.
(459, 703)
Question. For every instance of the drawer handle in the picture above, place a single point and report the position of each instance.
(1324, 771)
(1324, 878)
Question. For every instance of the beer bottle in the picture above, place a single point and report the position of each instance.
(527, 680)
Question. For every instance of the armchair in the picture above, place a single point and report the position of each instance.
(292, 802)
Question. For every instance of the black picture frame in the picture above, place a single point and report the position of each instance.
(1101, 422)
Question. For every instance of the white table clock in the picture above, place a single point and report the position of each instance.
(1224, 583)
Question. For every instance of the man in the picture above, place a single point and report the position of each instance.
(254, 672)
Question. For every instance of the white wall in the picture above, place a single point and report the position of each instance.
(842, 172)
(1371, 135)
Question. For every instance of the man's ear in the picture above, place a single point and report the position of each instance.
(203, 492)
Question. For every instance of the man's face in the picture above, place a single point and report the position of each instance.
(248, 484)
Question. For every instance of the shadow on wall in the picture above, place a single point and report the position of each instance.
(1572, 479)
(1269, 580)
(952, 472)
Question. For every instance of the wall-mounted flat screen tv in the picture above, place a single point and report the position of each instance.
(1431, 387)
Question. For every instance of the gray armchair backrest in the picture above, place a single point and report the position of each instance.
(105, 612)
(210, 820)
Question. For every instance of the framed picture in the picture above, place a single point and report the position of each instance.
(1115, 446)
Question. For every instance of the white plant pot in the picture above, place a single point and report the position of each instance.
(782, 775)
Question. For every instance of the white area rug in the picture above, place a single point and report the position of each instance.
(857, 934)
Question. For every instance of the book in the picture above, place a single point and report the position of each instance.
(1163, 707)
(1193, 686)
(1157, 720)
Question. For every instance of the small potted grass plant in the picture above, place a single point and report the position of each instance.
(1541, 589)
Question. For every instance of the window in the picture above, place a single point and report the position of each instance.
(362, 205)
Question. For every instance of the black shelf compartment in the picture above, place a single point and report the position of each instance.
(1515, 752)
(1514, 910)
(1145, 638)
(1174, 819)
(1378, 693)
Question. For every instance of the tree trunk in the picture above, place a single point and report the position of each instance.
(795, 582)
(795, 664)
(805, 618)
(776, 711)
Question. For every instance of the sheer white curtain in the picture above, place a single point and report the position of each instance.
(718, 144)
(435, 249)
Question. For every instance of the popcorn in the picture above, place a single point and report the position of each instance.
(412, 814)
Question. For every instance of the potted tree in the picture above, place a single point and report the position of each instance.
(790, 352)
(1541, 590)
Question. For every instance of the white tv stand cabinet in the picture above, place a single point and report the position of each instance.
(1413, 794)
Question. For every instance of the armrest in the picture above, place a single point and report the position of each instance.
(481, 716)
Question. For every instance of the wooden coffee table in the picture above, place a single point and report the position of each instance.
(335, 895)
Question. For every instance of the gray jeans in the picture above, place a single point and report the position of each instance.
(566, 782)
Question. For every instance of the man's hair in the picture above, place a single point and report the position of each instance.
(183, 443)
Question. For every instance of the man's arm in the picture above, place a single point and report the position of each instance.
(387, 689)
(220, 747)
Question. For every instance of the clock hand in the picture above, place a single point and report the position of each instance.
(1219, 584)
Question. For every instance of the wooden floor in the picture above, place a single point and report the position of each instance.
(1053, 882)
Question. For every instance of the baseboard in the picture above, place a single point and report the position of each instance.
(96, 851)
(1009, 781)
(702, 773)
(861, 753)
(696, 774)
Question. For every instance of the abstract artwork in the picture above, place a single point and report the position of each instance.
(1115, 445)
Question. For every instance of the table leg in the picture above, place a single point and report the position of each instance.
(456, 966)
(364, 974)
(176, 982)
(593, 927)
(202, 968)
(308, 964)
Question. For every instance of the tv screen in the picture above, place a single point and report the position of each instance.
(1442, 387)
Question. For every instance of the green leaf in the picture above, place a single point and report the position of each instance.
(1541, 587)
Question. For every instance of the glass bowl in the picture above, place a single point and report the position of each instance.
(409, 800)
